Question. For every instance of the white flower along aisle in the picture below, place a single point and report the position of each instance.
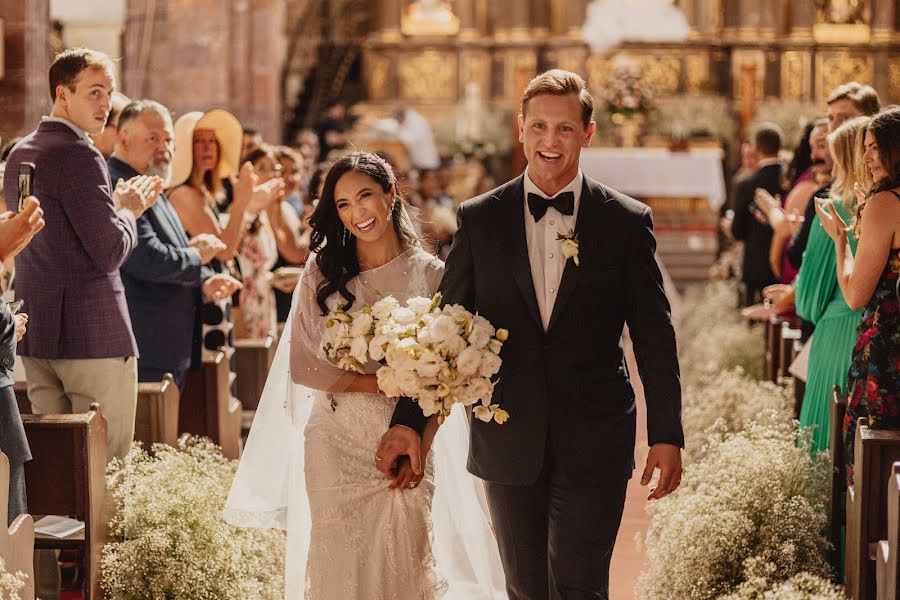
(168, 538)
(748, 522)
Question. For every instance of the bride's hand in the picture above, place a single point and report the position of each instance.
(405, 477)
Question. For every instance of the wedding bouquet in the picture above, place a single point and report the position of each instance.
(439, 356)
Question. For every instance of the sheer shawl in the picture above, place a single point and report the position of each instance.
(269, 489)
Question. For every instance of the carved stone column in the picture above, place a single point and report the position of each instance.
(24, 95)
(750, 19)
(732, 20)
(768, 19)
(803, 17)
(709, 17)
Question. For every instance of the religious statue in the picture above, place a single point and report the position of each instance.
(841, 12)
(429, 17)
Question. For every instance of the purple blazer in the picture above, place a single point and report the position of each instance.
(68, 275)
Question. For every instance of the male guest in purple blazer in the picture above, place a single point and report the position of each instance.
(80, 348)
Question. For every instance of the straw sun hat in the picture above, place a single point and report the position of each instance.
(229, 134)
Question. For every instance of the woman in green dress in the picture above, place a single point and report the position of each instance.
(819, 298)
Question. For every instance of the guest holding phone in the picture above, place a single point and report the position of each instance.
(16, 232)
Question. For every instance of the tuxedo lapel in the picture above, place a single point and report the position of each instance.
(588, 206)
(515, 244)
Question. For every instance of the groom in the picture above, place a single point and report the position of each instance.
(555, 474)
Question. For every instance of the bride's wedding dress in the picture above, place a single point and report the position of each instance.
(309, 468)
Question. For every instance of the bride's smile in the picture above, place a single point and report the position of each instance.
(363, 207)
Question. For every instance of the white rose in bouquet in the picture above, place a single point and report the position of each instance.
(387, 382)
(490, 364)
(382, 309)
(359, 349)
(362, 324)
(408, 382)
(469, 361)
(420, 306)
(482, 332)
(438, 330)
(453, 347)
(403, 316)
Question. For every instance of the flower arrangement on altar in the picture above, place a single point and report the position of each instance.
(167, 535)
(627, 92)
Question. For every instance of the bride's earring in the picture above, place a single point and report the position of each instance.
(344, 236)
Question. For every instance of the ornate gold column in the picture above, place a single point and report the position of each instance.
(732, 18)
(690, 10)
(468, 19)
(388, 20)
(513, 22)
(803, 17)
(883, 15)
(575, 12)
(540, 19)
(710, 15)
(768, 19)
(750, 12)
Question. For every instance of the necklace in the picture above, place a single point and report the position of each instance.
(365, 266)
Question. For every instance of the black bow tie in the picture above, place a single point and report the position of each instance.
(538, 205)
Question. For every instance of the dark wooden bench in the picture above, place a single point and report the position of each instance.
(156, 419)
(887, 562)
(252, 359)
(875, 452)
(208, 406)
(67, 477)
(773, 347)
(838, 516)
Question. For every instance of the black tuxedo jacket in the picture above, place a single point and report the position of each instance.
(757, 237)
(567, 389)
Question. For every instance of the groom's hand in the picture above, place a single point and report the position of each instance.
(666, 458)
(396, 442)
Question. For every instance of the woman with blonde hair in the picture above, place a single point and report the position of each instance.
(819, 298)
(870, 279)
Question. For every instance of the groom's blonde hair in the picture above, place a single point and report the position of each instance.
(561, 83)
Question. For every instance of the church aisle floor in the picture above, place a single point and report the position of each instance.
(628, 559)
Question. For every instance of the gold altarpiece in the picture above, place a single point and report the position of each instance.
(797, 50)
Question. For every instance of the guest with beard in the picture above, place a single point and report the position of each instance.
(165, 273)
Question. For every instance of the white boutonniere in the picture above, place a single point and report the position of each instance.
(569, 245)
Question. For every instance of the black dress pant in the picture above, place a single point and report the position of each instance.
(556, 536)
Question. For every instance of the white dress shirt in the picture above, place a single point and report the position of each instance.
(544, 251)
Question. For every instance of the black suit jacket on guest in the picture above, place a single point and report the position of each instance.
(162, 280)
(567, 389)
(757, 237)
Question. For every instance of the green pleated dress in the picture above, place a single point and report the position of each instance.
(820, 300)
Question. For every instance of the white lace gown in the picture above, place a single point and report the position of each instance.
(366, 540)
(308, 467)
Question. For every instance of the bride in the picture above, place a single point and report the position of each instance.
(309, 463)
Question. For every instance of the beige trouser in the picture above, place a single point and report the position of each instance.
(62, 386)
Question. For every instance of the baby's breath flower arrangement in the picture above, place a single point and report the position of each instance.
(803, 586)
(10, 583)
(721, 348)
(728, 401)
(753, 505)
(168, 538)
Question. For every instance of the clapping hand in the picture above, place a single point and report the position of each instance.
(834, 225)
(137, 194)
(16, 230)
(265, 194)
(243, 186)
(21, 325)
(220, 286)
(208, 245)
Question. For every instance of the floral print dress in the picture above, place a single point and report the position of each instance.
(257, 255)
(873, 383)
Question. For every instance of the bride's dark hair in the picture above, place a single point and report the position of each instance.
(335, 247)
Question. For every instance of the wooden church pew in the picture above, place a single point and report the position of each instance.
(157, 412)
(208, 406)
(887, 565)
(837, 518)
(252, 359)
(875, 452)
(67, 476)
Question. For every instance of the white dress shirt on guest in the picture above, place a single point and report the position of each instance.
(544, 251)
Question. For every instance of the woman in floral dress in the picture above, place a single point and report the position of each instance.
(871, 281)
